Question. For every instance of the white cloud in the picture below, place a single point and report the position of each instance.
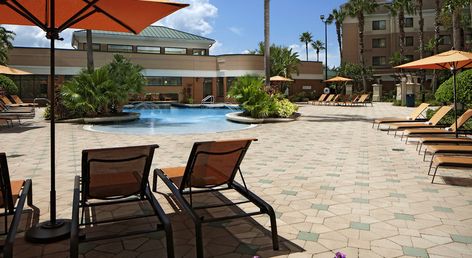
(198, 18)
(30, 36)
(236, 30)
(216, 48)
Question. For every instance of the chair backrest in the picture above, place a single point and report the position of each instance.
(439, 114)
(330, 97)
(214, 163)
(5, 100)
(322, 97)
(417, 112)
(113, 173)
(17, 99)
(6, 198)
(462, 119)
(363, 98)
(336, 98)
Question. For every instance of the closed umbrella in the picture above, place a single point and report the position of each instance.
(279, 78)
(54, 16)
(453, 60)
(339, 79)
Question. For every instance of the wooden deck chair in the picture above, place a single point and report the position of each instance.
(8, 102)
(426, 141)
(328, 99)
(14, 194)
(413, 117)
(18, 101)
(447, 149)
(363, 100)
(320, 99)
(353, 101)
(448, 161)
(212, 166)
(433, 122)
(439, 131)
(336, 99)
(114, 176)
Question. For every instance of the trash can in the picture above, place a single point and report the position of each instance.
(410, 100)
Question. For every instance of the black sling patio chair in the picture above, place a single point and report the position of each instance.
(212, 166)
(115, 176)
(14, 194)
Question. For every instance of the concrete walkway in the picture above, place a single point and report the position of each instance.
(335, 183)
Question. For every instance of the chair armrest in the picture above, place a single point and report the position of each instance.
(8, 248)
(74, 230)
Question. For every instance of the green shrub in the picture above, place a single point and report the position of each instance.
(256, 102)
(285, 108)
(448, 119)
(445, 92)
(8, 85)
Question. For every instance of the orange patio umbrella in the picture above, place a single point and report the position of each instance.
(279, 78)
(54, 16)
(12, 71)
(450, 60)
(339, 79)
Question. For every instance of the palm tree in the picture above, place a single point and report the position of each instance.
(437, 24)
(6, 38)
(317, 46)
(338, 16)
(400, 8)
(306, 38)
(455, 7)
(267, 41)
(357, 9)
(419, 7)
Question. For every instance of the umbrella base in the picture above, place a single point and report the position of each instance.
(47, 233)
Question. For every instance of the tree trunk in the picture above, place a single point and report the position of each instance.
(338, 32)
(456, 28)
(306, 47)
(267, 41)
(90, 65)
(317, 55)
(437, 23)
(401, 25)
(360, 17)
(421, 24)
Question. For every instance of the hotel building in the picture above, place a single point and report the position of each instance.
(177, 65)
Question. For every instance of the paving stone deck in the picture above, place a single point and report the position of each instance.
(335, 183)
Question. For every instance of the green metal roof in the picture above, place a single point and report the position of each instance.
(160, 32)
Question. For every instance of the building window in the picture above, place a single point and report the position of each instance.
(120, 48)
(175, 51)
(409, 41)
(378, 43)
(31, 86)
(220, 90)
(379, 25)
(164, 81)
(468, 38)
(199, 52)
(144, 49)
(379, 60)
(95, 46)
(229, 83)
(445, 40)
(409, 58)
(408, 22)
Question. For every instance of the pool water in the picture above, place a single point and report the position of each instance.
(175, 120)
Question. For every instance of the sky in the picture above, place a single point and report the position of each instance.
(236, 25)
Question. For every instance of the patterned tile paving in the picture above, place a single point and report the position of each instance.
(335, 183)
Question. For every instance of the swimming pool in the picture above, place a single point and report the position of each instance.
(174, 120)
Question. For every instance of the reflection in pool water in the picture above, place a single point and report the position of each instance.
(174, 120)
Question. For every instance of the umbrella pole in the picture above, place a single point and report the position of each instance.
(453, 69)
(53, 230)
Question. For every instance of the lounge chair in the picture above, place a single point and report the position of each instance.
(336, 100)
(364, 100)
(14, 194)
(441, 140)
(447, 149)
(320, 99)
(328, 99)
(212, 166)
(110, 177)
(433, 122)
(353, 101)
(8, 102)
(413, 117)
(439, 131)
(18, 101)
(448, 161)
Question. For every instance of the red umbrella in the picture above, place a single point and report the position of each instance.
(55, 16)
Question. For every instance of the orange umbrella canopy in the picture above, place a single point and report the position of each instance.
(112, 15)
(280, 79)
(12, 71)
(339, 79)
(446, 60)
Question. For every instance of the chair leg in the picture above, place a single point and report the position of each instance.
(424, 155)
(169, 240)
(434, 175)
(199, 239)
(29, 200)
(154, 181)
(273, 228)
